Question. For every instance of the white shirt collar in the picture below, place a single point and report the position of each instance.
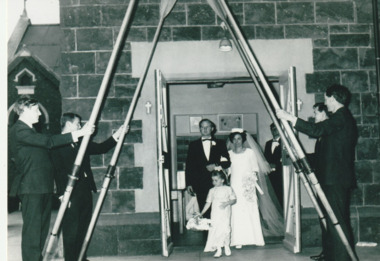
(30, 125)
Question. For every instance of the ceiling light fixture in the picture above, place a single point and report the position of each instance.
(225, 44)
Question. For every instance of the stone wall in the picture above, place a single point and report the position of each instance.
(343, 51)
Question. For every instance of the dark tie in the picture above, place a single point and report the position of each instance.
(206, 139)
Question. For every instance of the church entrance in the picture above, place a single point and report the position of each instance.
(225, 101)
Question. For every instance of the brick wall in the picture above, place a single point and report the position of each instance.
(343, 53)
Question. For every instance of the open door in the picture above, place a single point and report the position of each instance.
(292, 215)
(163, 163)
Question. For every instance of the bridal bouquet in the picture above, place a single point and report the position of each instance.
(249, 188)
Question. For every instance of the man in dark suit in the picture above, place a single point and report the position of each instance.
(203, 156)
(273, 155)
(34, 182)
(78, 214)
(320, 114)
(334, 165)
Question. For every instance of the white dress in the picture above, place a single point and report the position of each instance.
(245, 220)
(219, 234)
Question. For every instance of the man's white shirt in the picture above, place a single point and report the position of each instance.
(207, 147)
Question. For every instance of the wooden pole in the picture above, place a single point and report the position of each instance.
(112, 165)
(289, 131)
(94, 114)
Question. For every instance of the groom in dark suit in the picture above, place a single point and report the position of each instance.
(203, 156)
(334, 165)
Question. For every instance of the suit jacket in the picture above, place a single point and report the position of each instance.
(64, 158)
(30, 151)
(273, 157)
(197, 175)
(312, 157)
(334, 159)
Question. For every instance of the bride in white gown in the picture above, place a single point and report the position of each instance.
(253, 192)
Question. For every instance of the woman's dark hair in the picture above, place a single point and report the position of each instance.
(221, 174)
(242, 135)
(69, 116)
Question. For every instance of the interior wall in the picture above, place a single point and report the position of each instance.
(231, 99)
(202, 59)
(188, 124)
(186, 60)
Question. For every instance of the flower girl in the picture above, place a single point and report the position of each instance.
(221, 197)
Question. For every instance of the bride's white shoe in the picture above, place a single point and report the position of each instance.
(227, 250)
(239, 246)
(218, 253)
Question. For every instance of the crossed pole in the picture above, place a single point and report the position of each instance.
(291, 143)
(112, 165)
(289, 139)
(94, 114)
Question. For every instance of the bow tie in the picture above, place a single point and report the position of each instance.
(278, 141)
(206, 139)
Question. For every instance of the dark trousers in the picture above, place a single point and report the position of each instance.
(36, 212)
(277, 184)
(333, 248)
(75, 223)
(323, 228)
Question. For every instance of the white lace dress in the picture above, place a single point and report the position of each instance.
(219, 234)
(245, 220)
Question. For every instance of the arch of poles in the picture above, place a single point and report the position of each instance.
(288, 137)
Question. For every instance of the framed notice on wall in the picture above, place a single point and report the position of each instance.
(228, 121)
(194, 123)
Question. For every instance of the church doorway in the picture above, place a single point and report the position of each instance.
(221, 100)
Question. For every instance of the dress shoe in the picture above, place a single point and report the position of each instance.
(227, 250)
(218, 253)
(319, 257)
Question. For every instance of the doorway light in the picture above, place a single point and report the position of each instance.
(225, 44)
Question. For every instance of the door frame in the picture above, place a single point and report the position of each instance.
(291, 184)
(163, 169)
(176, 194)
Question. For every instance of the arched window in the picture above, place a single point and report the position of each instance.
(25, 80)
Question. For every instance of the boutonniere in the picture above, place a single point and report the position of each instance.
(223, 159)
(213, 143)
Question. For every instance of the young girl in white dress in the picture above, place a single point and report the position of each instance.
(221, 197)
